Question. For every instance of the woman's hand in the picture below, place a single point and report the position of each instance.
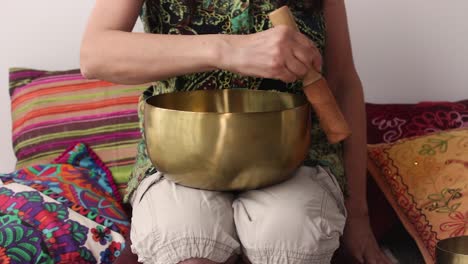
(360, 241)
(278, 53)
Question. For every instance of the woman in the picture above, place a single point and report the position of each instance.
(298, 221)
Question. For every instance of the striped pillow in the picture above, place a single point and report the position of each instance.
(51, 111)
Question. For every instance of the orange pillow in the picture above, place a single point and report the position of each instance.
(425, 179)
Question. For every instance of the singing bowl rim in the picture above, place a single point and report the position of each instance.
(293, 104)
(301, 99)
(440, 246)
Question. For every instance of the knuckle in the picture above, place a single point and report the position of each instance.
(316, 58)
(276, 52)
(283, 34)
(302, 72)
(315, 53)
(282, 29)
(275, 62)
(289, 79)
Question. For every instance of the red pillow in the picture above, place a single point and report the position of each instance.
(386, 123)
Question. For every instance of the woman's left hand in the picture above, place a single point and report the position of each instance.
(360, 242)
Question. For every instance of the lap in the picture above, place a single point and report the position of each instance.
(302, 217)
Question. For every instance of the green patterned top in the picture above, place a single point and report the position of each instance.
(229, 17)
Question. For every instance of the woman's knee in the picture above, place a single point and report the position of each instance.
(291, 232)
(294, 234)
(172, 223)
(288, 225)
(231, 260)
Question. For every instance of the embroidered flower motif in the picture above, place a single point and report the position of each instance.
(443, 202)
(392, 126)
(112, 252)
(101, 234)
(435, 121)
(458, 226)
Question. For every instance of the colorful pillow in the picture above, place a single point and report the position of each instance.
(61, 213)
(388, 123)
(84, 157)
(53, 110)
(425, 179)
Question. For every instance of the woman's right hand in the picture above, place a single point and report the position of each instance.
(277, 53)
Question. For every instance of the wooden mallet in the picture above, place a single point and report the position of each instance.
(316, 89)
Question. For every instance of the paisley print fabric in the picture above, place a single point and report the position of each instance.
(35, 228)
(229, 17)
(61, 213)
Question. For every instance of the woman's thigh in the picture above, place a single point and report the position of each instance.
(297, 221)
(172, 223)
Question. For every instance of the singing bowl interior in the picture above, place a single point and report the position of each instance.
(452, 250)
(227, 139)
(239, 101)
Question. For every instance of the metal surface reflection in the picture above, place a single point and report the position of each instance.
(232, 139)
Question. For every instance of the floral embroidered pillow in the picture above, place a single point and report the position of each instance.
(425, 179)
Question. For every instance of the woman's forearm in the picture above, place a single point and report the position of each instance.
(351, 100)
(110, 51)
(132, 58)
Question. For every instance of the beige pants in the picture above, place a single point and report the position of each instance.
(298, 221)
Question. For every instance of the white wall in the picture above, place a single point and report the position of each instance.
(405, 50)
(411, 50)
(39, 34)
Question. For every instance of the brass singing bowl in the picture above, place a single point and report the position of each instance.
(452, 250)
(231, 139)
